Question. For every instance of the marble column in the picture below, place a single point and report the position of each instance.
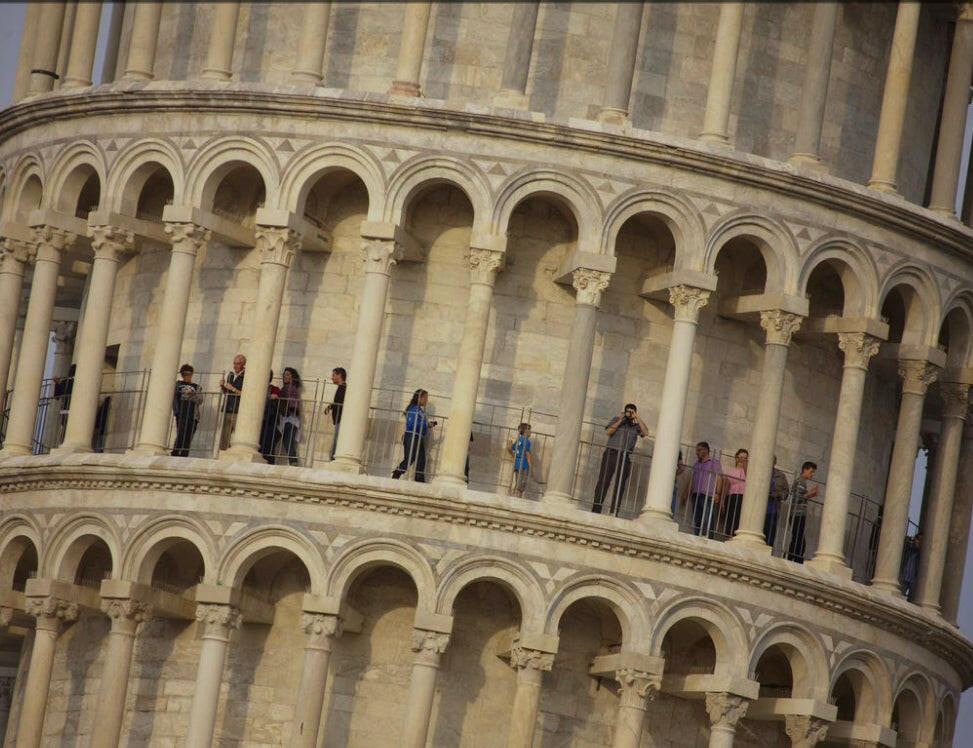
(429, 647)
(686, 302)
(380, 256)
(916, 378)
(530, 664)
(187, 239)
(952, 122)
(64, 47)
(222, 39)
(484, 265)
(143, 40)
(932, 561)
(898, 77)
(621, 63)
(108, 244)
(724, 710)
(516, 61)
(780, 326)
(276, 247)
(814, 95)
(411, 49)
(636, 689)
(50, 243)
(321, 630)
(308, 68)
(959, 529)
(14, 256)
(25, 59)
(125, 616)
(83, 45)
(51, 613)
(218, 622)
(44, 60)
(805, 731)
(858, 348)
(716, 119)
(588, 286)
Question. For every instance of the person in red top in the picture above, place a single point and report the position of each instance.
(268, 428)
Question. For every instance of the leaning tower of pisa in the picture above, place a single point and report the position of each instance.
(658, 233)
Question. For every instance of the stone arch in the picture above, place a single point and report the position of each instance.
(369, 554)
(516, 578)
(876, 707)
(249, 548)
(156, 536)
(306, 167)
(72, 538)
(922, 317)
(722, 624)
(856, 269)
(220, 156)
(958, 309)
(17, 534)
(624, 601)
(805, 655)
(675, 211)
(69, 173)
(775, 242)
(581, 200)
(947, 712)
(135, 165)
(422, 171)
(21, 194)
(914, 727)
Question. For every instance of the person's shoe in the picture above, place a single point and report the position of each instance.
(396, 474)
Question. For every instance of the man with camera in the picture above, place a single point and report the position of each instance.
(623, 433)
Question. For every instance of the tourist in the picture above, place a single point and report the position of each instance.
(289, 406)
(623, 432)
(414, 439)
(185, 401)
(704, 489)
(801, 491)
(734, 486)
(520, 449)
(268, 424)
(779, 490)
(338, 377)
(231, 386)
(62, 392)
(909, 567)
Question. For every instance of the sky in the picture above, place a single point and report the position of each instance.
(11, 22)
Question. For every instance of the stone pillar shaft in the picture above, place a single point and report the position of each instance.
(218, 622)
(725, 711)
(310, 47)
(814, 95)
(959, 527)
(516, 61)
(64, 46)
(46, 44)
(13, 259)
(637, 688)
(411, 49)
(716, 119)
(82, 59)
(530, 665)
(429, 647)
(219, 54)
(321, 631)
(25, 58)
(144, 38)
(621, 62)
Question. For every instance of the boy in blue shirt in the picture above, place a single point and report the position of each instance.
(520, 449)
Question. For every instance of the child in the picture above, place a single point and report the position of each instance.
(520, 449)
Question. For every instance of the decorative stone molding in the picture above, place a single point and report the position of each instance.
(52, 608)
(50, 242)
(637, 687)
(484, 265)
(858, 347)
(109, 243)
(780, 326)
(187, 238)
(805, 731)
(431, 642)
(218, 620)
(522, 658)
(687, 301)
(277, 246)
(917, 375)
(725, 708)
(588, 285)
(381, 254)
(956, 399)
(15, 254)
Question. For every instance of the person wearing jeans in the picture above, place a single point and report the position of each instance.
(623, 432)
(414, 439)
(290, 413)
(338, 377)
(704, 489)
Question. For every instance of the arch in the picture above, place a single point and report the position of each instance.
(67, 175)
(958, 311)
(16, 533)
(369, 554)
(921, 318)
(947, 711)
(624, 601)
(857, 271)
(134, 165)
(220, 156)
(775, 242)
(312, 163)
(723, 626)
(675, 211)
(877, 709)
(156, 536)
(413, 175)
(521, 582)
(249, 548)
(916, 685)
(19, 197)
(71, 539)
(805, 654)
(583, 202)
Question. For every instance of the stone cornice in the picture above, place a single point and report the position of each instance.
(442, 504)
(835, 194)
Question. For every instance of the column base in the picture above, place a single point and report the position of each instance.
(447, 479)
(14, 450)
(658, 520)
(889, 587)
(214, 74)
(831, 565)
(716, 138)
(137, 75)
(559, 498)
(932, 608)
(240, 453)
(809, 161)
(880, 185)
(148, 450)
(346, 465)
(946, 211)
(752, 541)
(612, 116)
(71, 449)
(306, 76)
(404, 88)
(508, 98)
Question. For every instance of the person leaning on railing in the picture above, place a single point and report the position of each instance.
(704, 489)
(801, 491)
(185, 402)
(414, 438)
(520, 449)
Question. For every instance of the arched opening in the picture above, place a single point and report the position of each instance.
(18, 563)
(320, 200)
(903, 309)
(741, 268)
(80, 192)
(688, 649)
(775, 672)
(29, 199)
(906, 718)
(825, 289)
(844, 694)
(955, 338)
(149, 191)
(235, 191)
(179, 567)
(87, 561)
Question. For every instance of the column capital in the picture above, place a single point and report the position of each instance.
(218, 619)
(805, 730)
(859, 347)
(277, 245)
(51, 241)
(381, 254)
(637, 686)
(431, 642)
(63, 332)
(687, 301)
(917, 375)
(187, 238)
(525, 658)
(320, 629)
(780, 325)
(588, 285)
(6, 616)
(15, 254)
(126, 613)
(964, 12)
(484, 265)
(109, 242)
(725, 709)
(956, 399)
(51, 611)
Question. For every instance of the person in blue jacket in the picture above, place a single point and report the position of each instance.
(414, 438)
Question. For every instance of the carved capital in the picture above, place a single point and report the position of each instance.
(780, 326)
(109, 243)
(687, 301)
(317, 625)
(637, 686)
(52, 608)
(51, 241)
(964, 12)
(381, 254)
(218, 619)
(956, 399)
(859, 347)
(135, 611)
(588, 285)
(187, 238)
(804, 730)
(15, 254)
(429, 642)
(522, 658)
(6, 616)
(277, 245)
(484, 264)
(63, 332)
(725, 708)
(917, 375)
